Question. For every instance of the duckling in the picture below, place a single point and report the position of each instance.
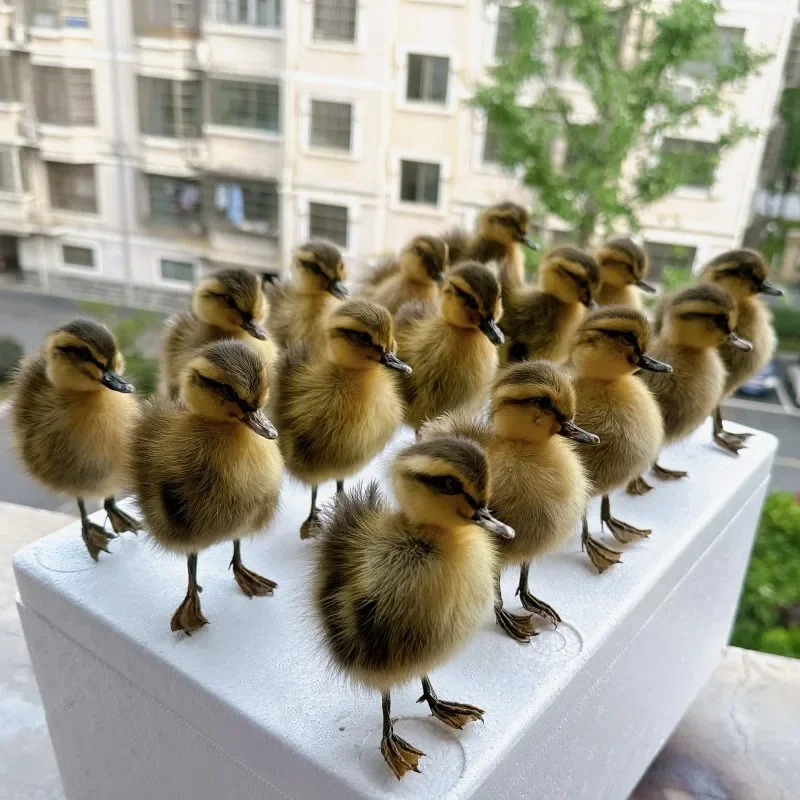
(414, 275)
(398, 592)
(743, 273)
(227, 304)
(608, 348)
(539, 322)
(206, 469)
(453, 351)
(623, 267)
(297, 309)
(698, 320)
(539, 484)
(71, 418)
(336, 408)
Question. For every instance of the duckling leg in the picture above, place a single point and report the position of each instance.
(668, 474)
(339, 487)
(188, 617)
(517, 626)
(638, 486)
(601, 556)
(732, 442)
(622, 531)
(531, 603)
(95, 537)
(456, 715)
(120, 521)
(252, 584)
(398, 753)
(310, 528)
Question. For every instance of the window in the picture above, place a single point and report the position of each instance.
(170, 108)
(8, 177)
(72, 187)
(331, 125)
(729, 40)
(697, 160)
(504, 40)
(328, 222)
(427, 78)
(335, 20)
(59, 13)
(254, 13)
(166, 18)
(248, 206)
(81, 257)
(64, 96)
(246, 105)
(174, 202)
(491, 145)
(9, 78)
(177, 270)
(662, 256)
(419, 182)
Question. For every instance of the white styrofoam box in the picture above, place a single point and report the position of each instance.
(246, 708)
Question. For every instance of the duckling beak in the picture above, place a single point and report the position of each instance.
(572, 431)
(649, 363)
(258, 423)
(646, 287)
(767, 288)
(254, 329)
(489, 329)
(485, 520)
(529, 243)
(337, 289)
(390, 360)
(114, 381)
(740, 344)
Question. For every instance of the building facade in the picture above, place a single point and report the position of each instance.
(145, 142)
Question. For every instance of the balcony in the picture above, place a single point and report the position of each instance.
(238, 150)
(166, 35)
(67, 143)
(18, 213)
(164, 155)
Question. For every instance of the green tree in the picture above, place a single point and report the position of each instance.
(789, 161)
(628, 59)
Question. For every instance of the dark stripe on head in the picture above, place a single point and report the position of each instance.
(481, 280)
(97, 336)
(326, 252)
(577, 257)
(372, 316)
(706, 293)
(239, 361)
(465, 456)
(240, 283)
(541, 372)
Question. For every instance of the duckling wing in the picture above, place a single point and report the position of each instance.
(458, 243)
(284, 398)
(531, 321)
(460, 424)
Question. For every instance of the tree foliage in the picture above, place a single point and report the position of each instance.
(628, 59)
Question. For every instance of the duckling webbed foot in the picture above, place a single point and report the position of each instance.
(602, 557)
(251, 583)
(531, 603)
(518, 626)
(732, 442)
(120, 521)
(188, 617)
(311, 527)
(398, 753)
(638, 486)
(94, 536)
(622, 531)
(455, 715)
(668, 474)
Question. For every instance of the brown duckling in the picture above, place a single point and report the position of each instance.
(398, 592)
(539, 321)
(539, 484)
(71, 419)
(609, 346)
(206, 469)
(453, 351)
(623, 268)
(336, 408)
(228, 304)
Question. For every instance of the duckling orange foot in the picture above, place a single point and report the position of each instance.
(96, 538)
(120, 521)
(622, 531)
(638, 486)
(668, 474)
(189, 617)
(455, 715)
(398, 753)
(517, 626)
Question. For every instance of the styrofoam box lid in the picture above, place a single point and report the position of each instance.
(255, 680)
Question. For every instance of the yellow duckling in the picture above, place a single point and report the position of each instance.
(338, 407)
(206, 469)
(298, 309)
(623, 268)
(398, 592)
(697, 322)
(540, 322)
(453, 352)
(609, 347)
(228, 304)
(539, 485)
(71, 419)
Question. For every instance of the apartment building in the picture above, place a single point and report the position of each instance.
(146, 142)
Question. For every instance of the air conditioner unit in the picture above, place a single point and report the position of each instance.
(196, 153)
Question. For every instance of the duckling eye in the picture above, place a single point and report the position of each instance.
(83, 353)
(629, 338)
(451, 485)
(313, 267)
(363, 338)
(229, 301)
(545, 403)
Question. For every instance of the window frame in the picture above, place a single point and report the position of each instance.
(327, 40)
(181, 128)
(143, 28)
(703, 188)
(70, 209)
(427, 70)
(214, 14)
(345, 245)
(60, 11)
(449, 107)
(214, 85)
(658, 263)
(14, 168)
(65, 83)
(176, 281)
(219, 221)
(327, 147)
(195, 218)
(84, 244)
(421, 183)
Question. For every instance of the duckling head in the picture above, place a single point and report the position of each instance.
(703, 316)
(361, 336)
(471, 299)
(83, 356)
(623, 263)
(444, 482)
(424, 259)
(742, 273)
(506, 223)
(612, 342)
(232, 299)
(227, 382)
(319, 268)
(570, 275)
(534, 400)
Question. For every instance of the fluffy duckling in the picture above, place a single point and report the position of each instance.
(453, 351)
(297, 309)
(206, 469)
(539, 322)
(71, 419)
(414, 275)
(609, 347)
(228, 304)
(697, 322)
(623, 268)
(337, 408)
(398, 592)
(539, 484)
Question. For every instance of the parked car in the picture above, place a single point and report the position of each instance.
(761, 383)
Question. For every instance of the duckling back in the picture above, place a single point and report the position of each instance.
(538, 326)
